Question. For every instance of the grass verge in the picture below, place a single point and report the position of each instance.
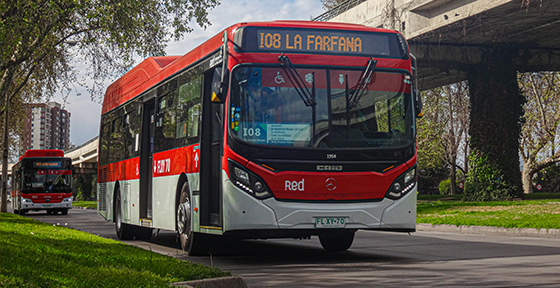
(85, 204)
(509, 214)
(37, 254)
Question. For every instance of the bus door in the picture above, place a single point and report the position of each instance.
(211, 157)
(146, 161)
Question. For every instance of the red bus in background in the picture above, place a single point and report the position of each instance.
(42, 180)
(283, 129)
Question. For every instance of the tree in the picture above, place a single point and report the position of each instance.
(37, 56)
(442, 132)
(458, 124)
(330, 4)
(540, 133)
(431, 154)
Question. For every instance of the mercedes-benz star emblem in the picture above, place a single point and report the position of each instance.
(330, 184)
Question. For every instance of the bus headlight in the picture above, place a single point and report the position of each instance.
(25, 200)
(67, 199)
(248, 181)
(402, 185)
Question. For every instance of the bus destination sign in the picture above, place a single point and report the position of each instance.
(47, 164)
(323, 41)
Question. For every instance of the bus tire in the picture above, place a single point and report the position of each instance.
(124, 231)
(191, 242)
(338, 242)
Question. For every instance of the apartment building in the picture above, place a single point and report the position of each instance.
(47, 127)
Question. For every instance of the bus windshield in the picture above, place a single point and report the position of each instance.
(267, 107)
(47, 180)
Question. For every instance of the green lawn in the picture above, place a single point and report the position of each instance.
(86, 204)
(37, 254)
(510, 214)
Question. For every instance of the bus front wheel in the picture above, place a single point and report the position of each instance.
(338, 242)
(191, 242)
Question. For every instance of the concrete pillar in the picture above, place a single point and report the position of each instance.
(496, 111)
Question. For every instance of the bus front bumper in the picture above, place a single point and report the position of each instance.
(244, 212)
(46, 206)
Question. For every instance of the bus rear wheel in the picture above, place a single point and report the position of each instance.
(338, 242)
(124, 231)
(191, 242)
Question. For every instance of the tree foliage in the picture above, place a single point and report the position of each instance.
(43, 41)
(330, 4)
(442, 133)
(540, 133)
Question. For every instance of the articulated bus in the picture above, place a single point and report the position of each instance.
(42, 180)
(281, 129)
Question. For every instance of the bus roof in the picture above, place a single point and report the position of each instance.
(153, 70)
(42, 153)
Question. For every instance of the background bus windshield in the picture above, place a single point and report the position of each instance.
(47, 180)
(268, 108)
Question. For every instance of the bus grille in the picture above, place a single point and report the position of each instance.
(102, 190)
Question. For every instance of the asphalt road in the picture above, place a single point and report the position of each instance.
(376, 259)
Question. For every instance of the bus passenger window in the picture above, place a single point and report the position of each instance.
(104, 139)
(133, 122)
(165, 123)
(188, 110)
(116, 144)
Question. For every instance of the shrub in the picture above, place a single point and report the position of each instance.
(485, 181)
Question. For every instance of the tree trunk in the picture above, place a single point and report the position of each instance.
(453, 178)
(527, 178)
(5, 150)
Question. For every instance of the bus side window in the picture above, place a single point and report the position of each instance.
(188, 109)
(104, 140)
(116, 144)
(133, 122)
(165, 123)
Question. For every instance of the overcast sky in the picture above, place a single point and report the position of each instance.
(85, 113)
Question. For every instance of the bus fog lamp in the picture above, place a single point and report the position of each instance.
(258, 186)
(397, 187)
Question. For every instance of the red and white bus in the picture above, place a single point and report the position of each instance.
(282, 129)
(42, 180)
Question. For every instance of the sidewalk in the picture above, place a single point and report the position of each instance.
(519, 232)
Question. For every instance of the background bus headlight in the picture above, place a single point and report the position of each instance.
(25, 200)
(402, 185)
(248, 181)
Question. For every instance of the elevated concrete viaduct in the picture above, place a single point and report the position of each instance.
(483, 41)
(450, 36)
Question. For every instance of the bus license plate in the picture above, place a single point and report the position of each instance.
(330, 222)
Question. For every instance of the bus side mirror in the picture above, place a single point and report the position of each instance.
(415, 92)
(418, 104)
(219, 85)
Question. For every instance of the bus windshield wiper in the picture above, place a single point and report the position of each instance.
(302, 90)
(360, 89)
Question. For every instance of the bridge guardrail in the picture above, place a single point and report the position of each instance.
(341, 8)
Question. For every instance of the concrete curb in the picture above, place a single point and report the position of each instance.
(224, 282)
(520, 232)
